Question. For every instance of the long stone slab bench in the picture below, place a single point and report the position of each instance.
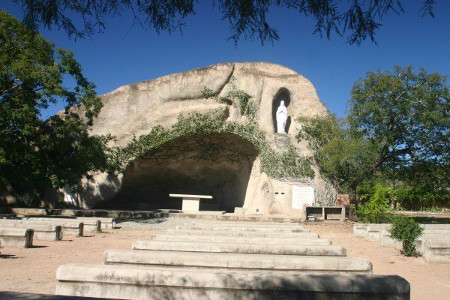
(437, 236)
(309, 264)
(41, 231)
(156, 283)
(242, 233)
(124, 282)
(436, 250)
(247, 224)
(232, 239)
(70, 228)
(15, 237)
(387, 240)
(242, 228)
(374, 231)
(306, 250)
(105, 223)
(88, 226)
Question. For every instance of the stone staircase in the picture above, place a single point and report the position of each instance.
(230, 260)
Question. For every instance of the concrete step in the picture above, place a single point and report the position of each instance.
(247, 224)
(235, 218)
(242, 228)
(240, 248)
(231, 233)
(125, 282)
(240, 239)
(309, 264)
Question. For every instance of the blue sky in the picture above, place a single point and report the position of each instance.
(124, 54)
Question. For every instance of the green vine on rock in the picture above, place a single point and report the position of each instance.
(159, 142)
(235, 96)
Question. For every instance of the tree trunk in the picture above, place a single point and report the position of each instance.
(353, 198)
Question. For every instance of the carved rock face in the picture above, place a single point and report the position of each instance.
(133, 109)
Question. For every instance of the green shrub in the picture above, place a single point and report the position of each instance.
(405, 230)
(375, 203)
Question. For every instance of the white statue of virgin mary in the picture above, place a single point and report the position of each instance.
(281, 117)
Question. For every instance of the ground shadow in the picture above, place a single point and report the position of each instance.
(8, 256)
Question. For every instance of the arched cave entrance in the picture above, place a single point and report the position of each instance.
(217, 164)
(285, 95)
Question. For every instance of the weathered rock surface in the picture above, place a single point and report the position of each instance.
(132, 110)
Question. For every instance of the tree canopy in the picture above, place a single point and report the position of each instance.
(357, 20)
(398, 124)
(35, 154)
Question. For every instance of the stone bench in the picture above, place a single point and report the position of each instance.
(359, 229)
(242, 233)
(420, 242)
(247, 224)
(436, 250)
(375, 231)
(191, 203)
(67, 228)
(15, 237)
(125, 282)
(256, 220)
(42, 232)
(256, 262)
(284, 249)
(241, 228)
(106, 223)
(234, 239)
(88, 226)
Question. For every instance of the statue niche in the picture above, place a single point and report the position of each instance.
(280, 113)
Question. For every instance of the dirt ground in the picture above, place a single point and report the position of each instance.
(33, 270)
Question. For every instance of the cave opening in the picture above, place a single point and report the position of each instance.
(217, 164)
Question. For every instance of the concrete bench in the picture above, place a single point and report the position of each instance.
(420, 242)
(67, 228)
(88, 226)
(387, 240)
(305, 250)
(42, 232)
(191, 203)
(298, 235)
(375, 231)
(125, 282)
(436, 250)
(247, 224)
(359, 229)
(436, 226)
(71, 228)
(106, 223)
(256, 262)
(241, 239)
(15, 237)
(241, 228)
